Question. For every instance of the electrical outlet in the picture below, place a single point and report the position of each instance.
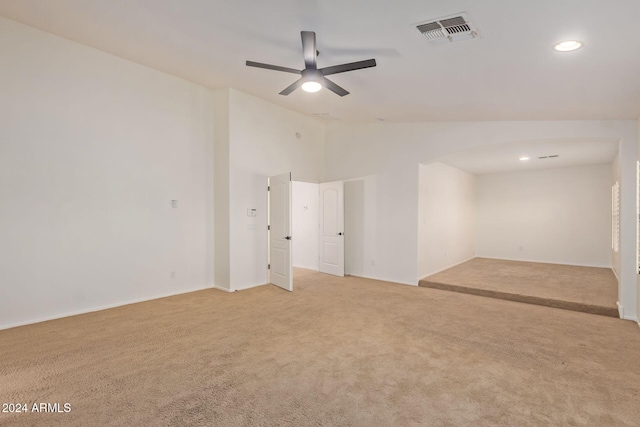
(174, 204)
(172, 274)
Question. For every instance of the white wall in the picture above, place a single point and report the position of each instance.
(354, 234)
(628, 153)
(360, 226)
(305, 222)
(447, 217)
(222, 277)
(390, 152)
(263, 143)
(560, 216)
(92, 150)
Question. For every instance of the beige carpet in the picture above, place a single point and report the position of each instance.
(586, 289)
(335, 352)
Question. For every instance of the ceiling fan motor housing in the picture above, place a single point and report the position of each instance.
(311, 75)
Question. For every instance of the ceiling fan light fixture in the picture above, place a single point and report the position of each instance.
(568, 46)
(311, 86)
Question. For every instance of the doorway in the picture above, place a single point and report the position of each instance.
(318, 227)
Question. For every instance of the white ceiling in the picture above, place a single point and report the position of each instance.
(506, 157)
(511, 73)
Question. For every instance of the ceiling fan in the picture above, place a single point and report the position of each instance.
(313, 79)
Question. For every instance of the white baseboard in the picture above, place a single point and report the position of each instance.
(620, 309)
(244, 288)
(99, 308)
(307, 267)
(446, 268)
(626, 317)
(384, 280)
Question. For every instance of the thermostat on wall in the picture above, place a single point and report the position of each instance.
(252, 212)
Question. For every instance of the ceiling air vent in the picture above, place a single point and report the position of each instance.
(449, 29)
(552, 156)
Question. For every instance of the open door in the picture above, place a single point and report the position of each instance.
(281, 272)
(332, 228)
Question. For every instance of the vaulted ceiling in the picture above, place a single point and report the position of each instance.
(510, 73)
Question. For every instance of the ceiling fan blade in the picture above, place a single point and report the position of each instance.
(295, 85)
(272, 67)
(309, 49)
(333, 87)
(343, 68)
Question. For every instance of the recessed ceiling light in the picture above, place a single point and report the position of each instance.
(311, 86)
(568, 46)
(524, 159)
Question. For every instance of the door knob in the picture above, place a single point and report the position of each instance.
(287, 237)
(340, 234)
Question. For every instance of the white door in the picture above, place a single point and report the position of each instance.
(332, 228)
(281, 273)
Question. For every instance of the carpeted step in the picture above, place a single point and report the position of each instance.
(566, 305)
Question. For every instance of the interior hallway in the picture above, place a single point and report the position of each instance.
(336, 351)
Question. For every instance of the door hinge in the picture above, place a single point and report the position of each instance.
(268, 227)
(268, 188)
(268, 266)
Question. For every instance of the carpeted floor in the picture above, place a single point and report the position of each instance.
(339, 352)
(586, 289)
